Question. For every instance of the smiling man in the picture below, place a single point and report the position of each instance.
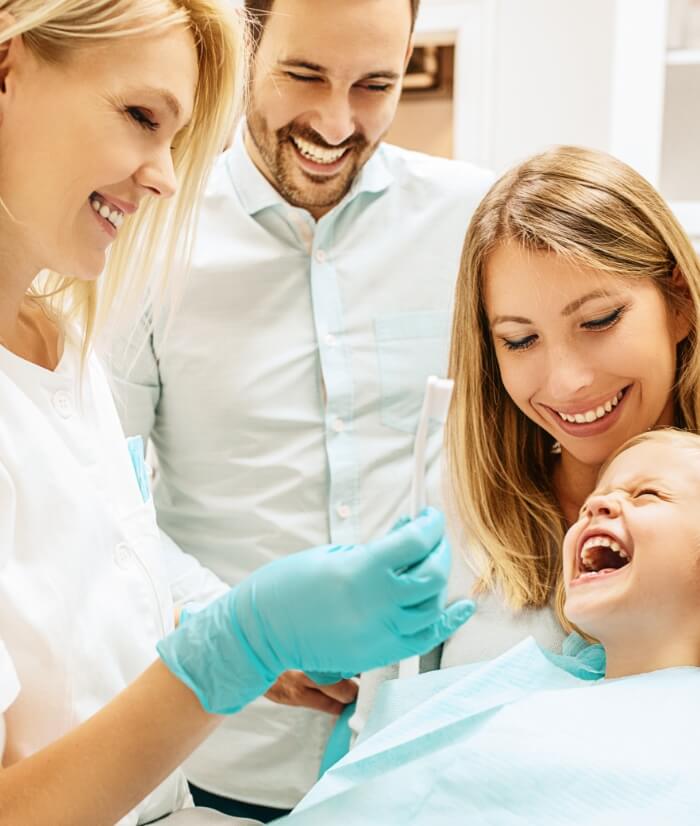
(283, 402)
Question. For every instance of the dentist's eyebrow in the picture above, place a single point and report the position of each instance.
(567, 311)
(165, 95)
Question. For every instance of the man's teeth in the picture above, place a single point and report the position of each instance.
(589, 416)
(113, 215)
(588, 557)
(318, 154)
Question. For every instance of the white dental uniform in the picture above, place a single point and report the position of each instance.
(82, 598)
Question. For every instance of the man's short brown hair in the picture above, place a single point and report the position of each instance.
(258, 11)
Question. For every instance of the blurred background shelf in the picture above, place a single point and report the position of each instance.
(683, 57)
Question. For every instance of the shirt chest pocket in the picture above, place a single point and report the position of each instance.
(139, 554)
(410, 347)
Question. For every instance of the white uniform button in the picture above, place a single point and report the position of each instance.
(122, 555)
(338, 425)
(343, 511)
(63, 404)
(331, 340)
(321, 256)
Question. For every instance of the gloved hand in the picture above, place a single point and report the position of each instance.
(334, 609)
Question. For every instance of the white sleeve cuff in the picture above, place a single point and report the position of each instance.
(9, 681)
(9, 689)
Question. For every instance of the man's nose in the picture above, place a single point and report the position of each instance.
(334, 119)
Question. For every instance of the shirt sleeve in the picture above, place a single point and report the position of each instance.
(9, 681)
(190, 582)
(9, 689)
(131, 364)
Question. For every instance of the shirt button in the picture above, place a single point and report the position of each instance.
(343, 511)
(122, 555)
(338, 425)
(331, 340)
(63, 404)
(320, 256)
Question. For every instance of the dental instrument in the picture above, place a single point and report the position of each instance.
(436, 404)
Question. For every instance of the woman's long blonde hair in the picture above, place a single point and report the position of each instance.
(156, 241)
(593, 210)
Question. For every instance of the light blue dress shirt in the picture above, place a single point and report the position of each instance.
(283, 402)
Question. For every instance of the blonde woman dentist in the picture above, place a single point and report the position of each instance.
(104, 106)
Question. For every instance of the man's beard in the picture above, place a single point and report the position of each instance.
(297, 186)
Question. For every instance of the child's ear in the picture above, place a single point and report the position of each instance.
(683, 309)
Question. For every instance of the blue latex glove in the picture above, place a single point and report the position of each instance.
(334, 609)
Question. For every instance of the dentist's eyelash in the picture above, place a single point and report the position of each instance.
(607, 321)
(139, 116)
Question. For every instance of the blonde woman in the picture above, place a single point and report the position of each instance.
(105, 106)
(574, 330)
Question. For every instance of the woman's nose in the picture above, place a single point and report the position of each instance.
(569, 374)
(158, 175)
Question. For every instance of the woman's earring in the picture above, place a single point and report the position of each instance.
(556, 448)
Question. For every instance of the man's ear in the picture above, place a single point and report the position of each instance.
(684, 314)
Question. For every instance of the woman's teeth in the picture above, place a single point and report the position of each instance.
(111, 214)
(595, 413)
(318, 154)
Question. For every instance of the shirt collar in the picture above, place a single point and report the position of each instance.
(257, 193)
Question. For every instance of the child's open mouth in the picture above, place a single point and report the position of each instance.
(600, 555)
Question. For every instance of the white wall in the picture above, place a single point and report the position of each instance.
(552, 65)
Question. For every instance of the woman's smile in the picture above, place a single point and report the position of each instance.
(109, 213)
(589, 418)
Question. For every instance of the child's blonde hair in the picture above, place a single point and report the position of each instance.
(669, 436)
(157, 240)
(596, 211)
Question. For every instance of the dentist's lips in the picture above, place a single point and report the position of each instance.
(123, 206)
(589, 428)
(104, 224)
